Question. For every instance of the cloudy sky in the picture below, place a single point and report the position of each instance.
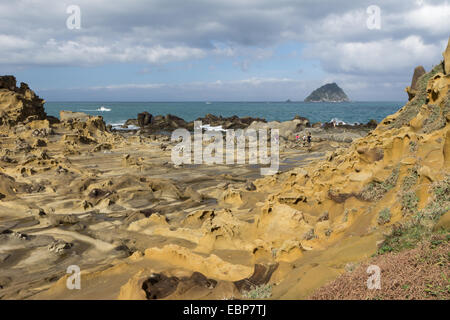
(219, 50)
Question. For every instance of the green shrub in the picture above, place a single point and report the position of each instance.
(440, 202)
(375, 190)
(404, 237)
(263, 291)
(407, 236)
(410, 180)
(409, 202)
(384, 216)
(435, 120)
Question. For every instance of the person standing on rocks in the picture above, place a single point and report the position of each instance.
(304, 141)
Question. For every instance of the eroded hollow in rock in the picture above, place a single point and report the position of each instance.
(261, 275)
(159, 286)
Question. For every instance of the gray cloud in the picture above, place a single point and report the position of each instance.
(251, 89)
(160, 31)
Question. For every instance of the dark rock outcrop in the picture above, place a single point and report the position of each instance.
(19, 104)
(233, 122)
(144, 119)
(372, 124)
(261, 275)
(8, 82)
(169, 122)
(159, 286)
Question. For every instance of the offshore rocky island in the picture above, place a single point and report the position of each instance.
(75, 192)
(329, 92)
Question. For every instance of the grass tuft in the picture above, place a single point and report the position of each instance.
(263, 291)
(384, 216)
(375, 190)
(440, 202)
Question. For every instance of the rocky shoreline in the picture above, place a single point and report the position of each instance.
(159, 126)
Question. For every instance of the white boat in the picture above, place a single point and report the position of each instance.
(103, 109)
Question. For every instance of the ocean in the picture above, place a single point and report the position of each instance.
(116, 113)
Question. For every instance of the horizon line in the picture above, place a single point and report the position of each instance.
(220, 101)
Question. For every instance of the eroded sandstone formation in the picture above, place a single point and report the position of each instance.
(141, 228)
(18, 104)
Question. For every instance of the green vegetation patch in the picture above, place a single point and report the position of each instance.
(384, 216)
(440, 202)
(446, 105)
(409, 202)
(263, 291)
(435, 120)
(408, 196)
(411, 179)
(375, 190)
(407, 237)
(419, 228)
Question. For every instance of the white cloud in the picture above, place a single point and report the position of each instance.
(130, 86)
(8, 42)
(90, 51)
(433, 18)
(383, 56)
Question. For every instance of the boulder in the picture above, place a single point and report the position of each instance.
(286, 129)
(144, 119)
(74, 116)
(372, 123)
(305, 121)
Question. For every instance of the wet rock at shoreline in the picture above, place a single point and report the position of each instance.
(170, 122)
(144, 119)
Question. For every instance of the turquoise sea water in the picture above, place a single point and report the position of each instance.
(118, 112)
